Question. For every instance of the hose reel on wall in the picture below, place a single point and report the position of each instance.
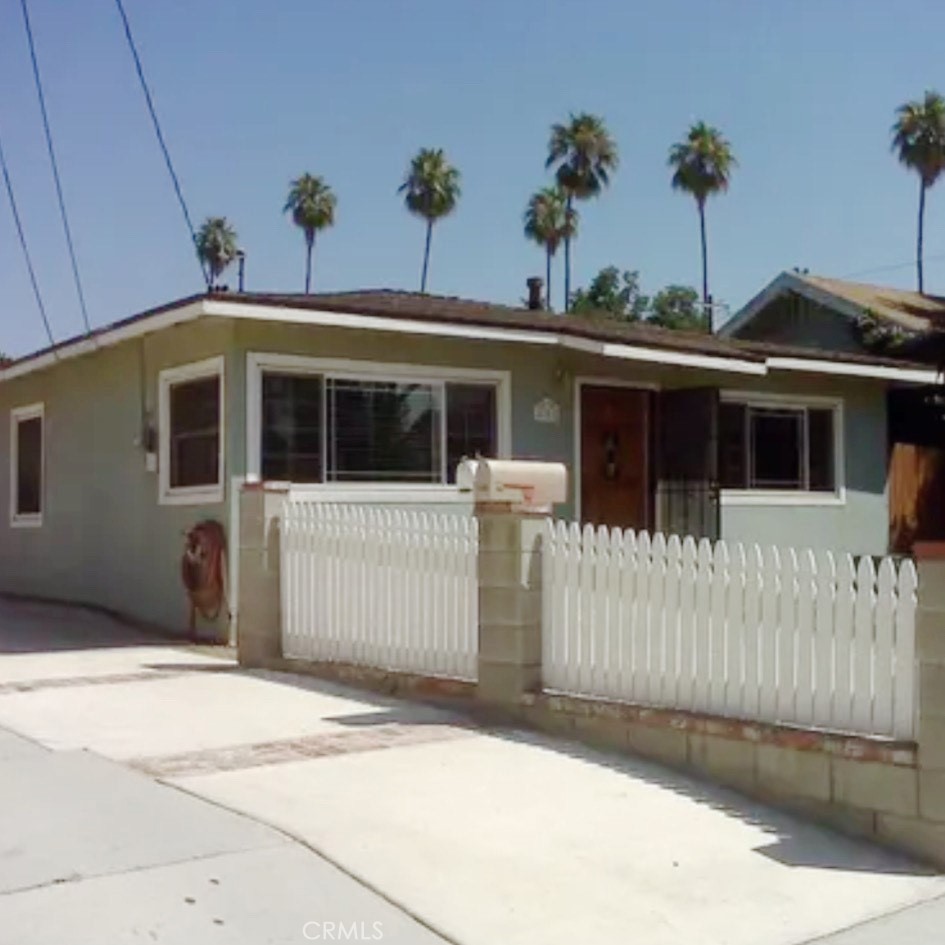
(203, 571)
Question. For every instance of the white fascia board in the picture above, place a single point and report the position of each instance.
(881, 372)
(782, 283)
(106, 338)
(706, 362)
(275, 313)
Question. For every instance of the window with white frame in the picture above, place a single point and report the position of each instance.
(350, 427)
(779, 446)
(191, 432)
(27, 430)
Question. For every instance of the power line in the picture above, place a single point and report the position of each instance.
(55, 169)
(23, 246)
(160, 136)
(937, 257)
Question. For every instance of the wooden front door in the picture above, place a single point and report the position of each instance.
(615, 457)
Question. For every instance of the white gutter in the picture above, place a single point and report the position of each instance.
(275, 313)
(849, 369)
(113, 336)
(608, 349)
(683, 358)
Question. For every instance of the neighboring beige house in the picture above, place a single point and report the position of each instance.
(119, 442)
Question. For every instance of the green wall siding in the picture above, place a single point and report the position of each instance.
(106, 540)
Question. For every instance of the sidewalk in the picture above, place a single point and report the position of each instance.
(488, 836)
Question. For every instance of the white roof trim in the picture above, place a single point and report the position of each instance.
(112, 336)
(275, 313)
(795, 282)
(483, 333)
(850, 369)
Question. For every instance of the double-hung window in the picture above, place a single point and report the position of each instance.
(345, 426)
(27, 433)
(191, 433)
(780, 446)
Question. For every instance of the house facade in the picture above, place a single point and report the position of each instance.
(821, 313)
(118, 443)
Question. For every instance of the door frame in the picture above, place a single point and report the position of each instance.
(590, 380)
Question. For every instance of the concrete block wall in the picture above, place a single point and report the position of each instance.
(893, 792)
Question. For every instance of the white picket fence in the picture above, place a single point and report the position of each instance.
(793, 637)
(393, 589)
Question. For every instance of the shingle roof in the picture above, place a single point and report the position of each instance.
(400, 305)
(912, 310)
(394, 304)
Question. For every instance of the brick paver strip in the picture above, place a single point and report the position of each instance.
(65, 682)
(327, 744)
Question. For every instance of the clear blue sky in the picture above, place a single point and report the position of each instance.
(251, 93)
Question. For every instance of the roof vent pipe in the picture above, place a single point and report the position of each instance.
(535, 284)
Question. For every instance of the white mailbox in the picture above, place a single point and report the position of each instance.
(525, 484)
(466, 474)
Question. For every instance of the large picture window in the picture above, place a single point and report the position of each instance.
(191, 430)
(26, 465)
(771, 446)
(334, 427)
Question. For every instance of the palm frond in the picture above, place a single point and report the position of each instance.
(431, 187)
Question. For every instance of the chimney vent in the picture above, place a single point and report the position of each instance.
(535, 284)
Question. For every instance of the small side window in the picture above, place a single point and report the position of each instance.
(26, 461)
(191, 433)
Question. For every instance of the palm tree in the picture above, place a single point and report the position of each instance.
(918, 136)
(431, 190)
(312, 205)
(703, 164)
(216, 247)
(547, 222)
(584, 156)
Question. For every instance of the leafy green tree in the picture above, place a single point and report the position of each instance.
(312, 205)
(702, 165)
(431, 190)
(548, 221)
(918, 137)
(216, 246)
(677, 306)
(612, 293)
(584, 155)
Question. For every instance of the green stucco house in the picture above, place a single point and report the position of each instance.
(119, 442)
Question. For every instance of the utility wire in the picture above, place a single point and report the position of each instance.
(160, 136)
(23, 246)
(936, 257)
(55, 169)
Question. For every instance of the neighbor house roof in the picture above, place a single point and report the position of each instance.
(410, 312)
(902, 308)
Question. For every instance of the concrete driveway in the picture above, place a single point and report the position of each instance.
(486, 836)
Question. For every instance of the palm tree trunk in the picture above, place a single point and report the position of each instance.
(567, 258)
(426, 256)
(309, 246)
(706, 313)
(548, 279)
(918, 249)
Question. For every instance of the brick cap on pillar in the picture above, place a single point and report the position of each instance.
(258, 485)
(929, 550)
(507, 508)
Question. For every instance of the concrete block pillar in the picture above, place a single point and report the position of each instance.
(260, 624)
(509, 602)
(930, 658)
